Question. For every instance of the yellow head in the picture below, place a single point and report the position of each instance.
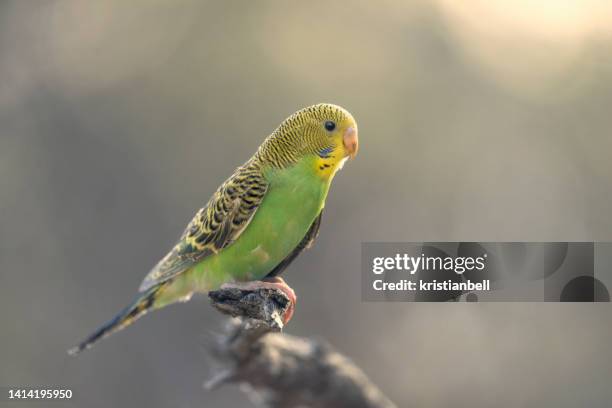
(325, 132)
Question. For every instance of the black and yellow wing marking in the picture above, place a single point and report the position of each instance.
(305, 243)
(215, 226)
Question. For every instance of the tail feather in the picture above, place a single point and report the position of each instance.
(126, 317)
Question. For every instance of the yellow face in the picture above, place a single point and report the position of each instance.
(332, 131)
(324, 135)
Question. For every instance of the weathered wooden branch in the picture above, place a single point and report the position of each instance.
(282, 371)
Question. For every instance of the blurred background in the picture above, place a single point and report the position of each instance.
(479, 120)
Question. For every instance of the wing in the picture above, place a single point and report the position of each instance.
(306, 243)
(215, 226)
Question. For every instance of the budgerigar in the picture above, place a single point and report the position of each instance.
(258, 221)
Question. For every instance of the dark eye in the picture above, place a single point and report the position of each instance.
(330, 126)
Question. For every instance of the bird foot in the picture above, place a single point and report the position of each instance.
(275, 282)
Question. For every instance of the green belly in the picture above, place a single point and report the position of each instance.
(294, 199)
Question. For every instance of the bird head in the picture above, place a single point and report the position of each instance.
(324, 133)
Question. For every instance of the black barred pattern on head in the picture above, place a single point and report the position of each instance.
(301, 133)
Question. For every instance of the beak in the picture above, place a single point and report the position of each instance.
(351, 142)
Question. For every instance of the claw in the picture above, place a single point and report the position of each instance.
(279, 283)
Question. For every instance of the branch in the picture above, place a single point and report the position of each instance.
(279, 370)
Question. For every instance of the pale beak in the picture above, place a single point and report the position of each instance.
(351, 142)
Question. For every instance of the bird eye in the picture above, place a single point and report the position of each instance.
(330, 126)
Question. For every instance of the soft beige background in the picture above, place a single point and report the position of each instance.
(479, 120)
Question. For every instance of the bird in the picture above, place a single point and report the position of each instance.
(257, 222)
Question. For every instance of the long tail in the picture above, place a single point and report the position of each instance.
(126, 317)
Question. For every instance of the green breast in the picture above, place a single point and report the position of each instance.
(294, 199)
